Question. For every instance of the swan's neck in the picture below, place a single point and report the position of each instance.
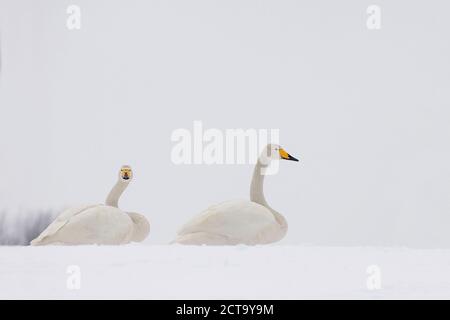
(116, 192)
(257, 192)
(257, 186)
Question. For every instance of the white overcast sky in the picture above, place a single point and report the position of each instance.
(366, 111)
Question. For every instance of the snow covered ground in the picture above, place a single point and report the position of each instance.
(178, 272)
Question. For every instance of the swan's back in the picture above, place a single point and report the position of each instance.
(235, 221)
(97, 224)
(59, 222)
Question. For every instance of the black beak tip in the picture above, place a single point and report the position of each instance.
(292, 158)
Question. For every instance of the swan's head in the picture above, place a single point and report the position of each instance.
(276, 152)
(126, 174)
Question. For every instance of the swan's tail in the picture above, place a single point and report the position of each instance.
(44, 237)
(19, 228)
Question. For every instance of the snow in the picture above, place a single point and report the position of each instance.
(182, 272)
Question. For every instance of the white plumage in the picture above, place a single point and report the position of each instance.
(231, 222)
(97, 224)
(240, 221)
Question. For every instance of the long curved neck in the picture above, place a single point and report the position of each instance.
(257, 192)
(257, 185)
(113, 198)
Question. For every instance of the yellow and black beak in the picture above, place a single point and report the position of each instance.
(125, 173)
(286, 156)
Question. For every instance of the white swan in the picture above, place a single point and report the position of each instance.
(98, 224)
(240, 221)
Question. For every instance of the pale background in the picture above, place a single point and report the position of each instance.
(367, 112)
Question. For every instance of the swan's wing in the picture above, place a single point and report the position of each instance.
(141, 227)
(60, 222)
(236, 219)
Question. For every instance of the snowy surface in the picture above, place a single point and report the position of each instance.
(271, 272)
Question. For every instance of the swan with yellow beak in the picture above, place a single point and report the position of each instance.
(240, 221)
(104, 224)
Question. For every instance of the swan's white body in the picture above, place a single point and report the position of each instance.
(96, 224)
(230, 223)
(238, 221)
